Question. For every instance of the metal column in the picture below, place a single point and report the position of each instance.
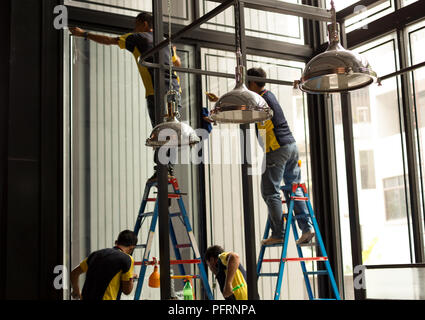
(164, 223)
(247, 187)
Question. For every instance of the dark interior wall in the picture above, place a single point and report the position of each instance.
(30, 150)
(4, 102)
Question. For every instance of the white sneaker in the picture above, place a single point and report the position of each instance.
(306, 237)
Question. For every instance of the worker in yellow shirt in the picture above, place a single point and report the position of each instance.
(230, 274)
(108, 271)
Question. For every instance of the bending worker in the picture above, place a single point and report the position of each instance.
(108, 271)
(228, 271)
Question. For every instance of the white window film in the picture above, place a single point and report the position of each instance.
(407, 2)
(363, 15)
(416, 38)
(181, 9)
(258, 23)
(380, 158)
(108, 163)
(224, 189)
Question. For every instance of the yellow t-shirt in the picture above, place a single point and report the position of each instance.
(240, 288)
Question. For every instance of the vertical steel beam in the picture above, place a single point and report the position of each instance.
(323, 170)
(414, 189)
(353, 204)
(164, 223)
(247, 186)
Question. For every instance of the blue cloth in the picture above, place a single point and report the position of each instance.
(205, 124)
(282, 164)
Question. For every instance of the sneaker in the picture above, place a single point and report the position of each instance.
(271, 241)
(306, 237)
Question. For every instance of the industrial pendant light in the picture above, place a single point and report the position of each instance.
(336, 69)
(172, 132)
(240, 105)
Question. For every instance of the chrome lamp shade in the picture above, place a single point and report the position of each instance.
(241, 105)
(172, 133)
(336, 69)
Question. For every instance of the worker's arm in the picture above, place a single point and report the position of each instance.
(78, 32)
(127, 279)
(75, 275)
(127, 286)
(176, 59)
(233, 261)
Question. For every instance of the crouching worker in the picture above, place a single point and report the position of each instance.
(229, 273)
(108, 271)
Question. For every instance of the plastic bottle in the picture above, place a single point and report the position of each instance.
(187, 291)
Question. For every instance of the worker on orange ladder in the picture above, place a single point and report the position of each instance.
(228, 271)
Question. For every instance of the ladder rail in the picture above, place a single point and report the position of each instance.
(323, 250)
(303, 266)
(290, 223)
(284, 253)
(183, 217)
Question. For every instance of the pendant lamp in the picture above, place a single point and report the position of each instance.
(240, 105)
(336, 69)
(172, 132)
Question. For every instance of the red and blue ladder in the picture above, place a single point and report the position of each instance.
(183, 217)
(290, 193)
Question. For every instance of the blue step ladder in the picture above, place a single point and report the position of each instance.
(290, 193)
(183, 217)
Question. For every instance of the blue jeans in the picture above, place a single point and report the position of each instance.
(282, 164)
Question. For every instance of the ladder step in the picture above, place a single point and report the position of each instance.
(194, 276)
(150, 214)
(273, 245)
(297, 259)
(309, 244)
(320, 272)
(184, 245)
(139, 246)
(192, 261)
(268, 274)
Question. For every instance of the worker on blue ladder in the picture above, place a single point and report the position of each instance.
(281, 163)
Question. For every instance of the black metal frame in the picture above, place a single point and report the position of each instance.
(31, 170)
(395, 21)
(31, 140)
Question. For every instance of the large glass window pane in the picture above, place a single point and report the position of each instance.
(181, 9)
(224, 189)
(407, 2)
(380, 166)
(363, 15)
(416, 37)
(258, 23)
(109, 163)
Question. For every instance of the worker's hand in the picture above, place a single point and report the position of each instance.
(77, 32)
(76, 294)
(228, 290)
(212, 97)
(208, 119)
